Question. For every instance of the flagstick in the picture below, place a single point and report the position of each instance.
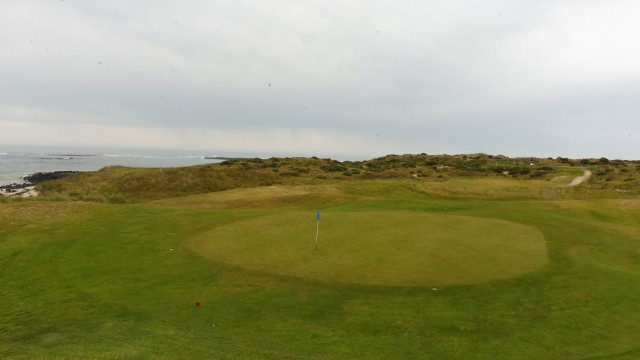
(317, 231)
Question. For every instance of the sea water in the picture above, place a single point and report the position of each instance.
(16, 162)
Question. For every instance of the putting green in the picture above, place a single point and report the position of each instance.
(378, 247)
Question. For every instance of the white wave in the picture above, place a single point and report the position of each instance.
(118, 155)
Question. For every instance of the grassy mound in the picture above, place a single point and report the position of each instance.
(526, 177)
(379, 247)
(263, 197)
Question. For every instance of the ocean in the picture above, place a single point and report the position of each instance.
(16, 162)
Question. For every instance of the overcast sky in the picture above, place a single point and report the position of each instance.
(345, 79)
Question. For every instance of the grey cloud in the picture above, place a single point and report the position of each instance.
(460, 76)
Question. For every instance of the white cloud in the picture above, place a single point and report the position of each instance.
(455, 76)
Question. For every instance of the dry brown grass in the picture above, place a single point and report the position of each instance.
(36, 212)
(496, 188)
(275, 196)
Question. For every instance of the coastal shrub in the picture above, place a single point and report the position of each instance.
(301, 170)
(474, 164)
(564, 160)
(141, 184)
(75, 196)
(334, 167)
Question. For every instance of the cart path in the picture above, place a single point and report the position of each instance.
(580, 179)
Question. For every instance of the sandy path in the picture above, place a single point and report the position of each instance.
(28, 191)
(580, 179)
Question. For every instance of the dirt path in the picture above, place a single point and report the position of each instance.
(580, 179)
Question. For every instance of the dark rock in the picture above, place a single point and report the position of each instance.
(13, 187)
(36, 178)
(33, 179)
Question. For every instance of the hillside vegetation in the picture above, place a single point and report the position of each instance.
(418, 257)
(121, 184)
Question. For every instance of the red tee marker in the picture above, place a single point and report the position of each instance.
(198, 304)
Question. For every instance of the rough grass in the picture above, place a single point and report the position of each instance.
(495, 188)
(300, 196)
(507, 178)
(118, 184)
(106, 281)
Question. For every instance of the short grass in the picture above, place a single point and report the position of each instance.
(378, 247)
(101, 281)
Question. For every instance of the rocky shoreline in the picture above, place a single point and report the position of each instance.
(27, 189)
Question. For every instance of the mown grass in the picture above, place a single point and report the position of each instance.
(378, 247)
(119, 281)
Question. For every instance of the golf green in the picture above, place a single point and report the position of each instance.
(399, 248)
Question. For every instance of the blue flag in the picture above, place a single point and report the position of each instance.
(318, 216)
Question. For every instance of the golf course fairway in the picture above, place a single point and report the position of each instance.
(378, 247)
